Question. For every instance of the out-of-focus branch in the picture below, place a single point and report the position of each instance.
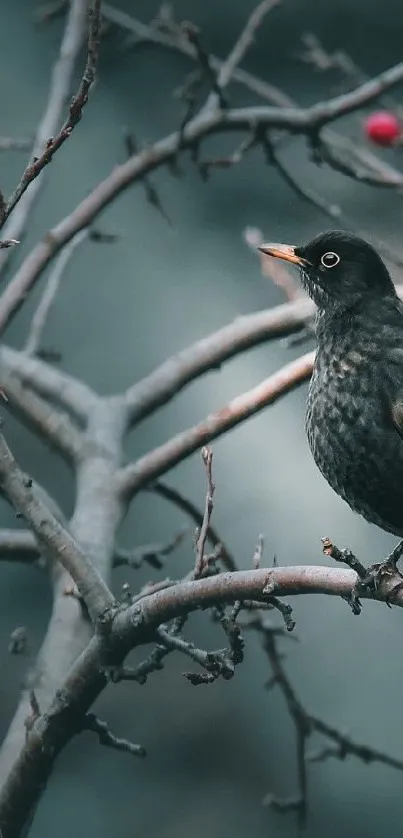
(48, 297)
(18, 545)
(108, 739)
(49, 139)
(14, 143)
(59, 91)
(170, 35)
(239, 50)
(306, 724)
(308, 121)
(135, 476)
(52, 425)
(58, 387)
(157, 388)
(54, 540)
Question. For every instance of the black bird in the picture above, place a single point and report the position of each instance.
(354, 415)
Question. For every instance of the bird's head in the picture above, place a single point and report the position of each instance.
(337, 269)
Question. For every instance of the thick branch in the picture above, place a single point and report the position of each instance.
(307, 121)
(57, 386)
(157, 388)
(136, 475)
(59, 722)
(52, 425)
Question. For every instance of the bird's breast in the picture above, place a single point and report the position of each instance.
(344, 415)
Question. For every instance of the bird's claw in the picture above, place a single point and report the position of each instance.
(379, 573)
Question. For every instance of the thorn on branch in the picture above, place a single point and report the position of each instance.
(106, 738)
(76, 107)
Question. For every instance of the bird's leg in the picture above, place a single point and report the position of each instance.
(368, 579)
(380, 572)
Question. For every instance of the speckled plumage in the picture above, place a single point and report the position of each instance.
(354, 416)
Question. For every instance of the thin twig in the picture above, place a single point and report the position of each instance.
(106, 738)
(189, 508)
(48, 297)
(207, 457)
(308, 121)
(60, 86)
(77, 103)
(152, 554)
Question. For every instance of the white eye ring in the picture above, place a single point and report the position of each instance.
(330, 259)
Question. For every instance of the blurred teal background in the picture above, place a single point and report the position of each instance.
(213, 752)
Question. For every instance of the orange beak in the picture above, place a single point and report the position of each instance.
(283, 251)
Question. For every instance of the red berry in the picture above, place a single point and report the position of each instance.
(382, 128)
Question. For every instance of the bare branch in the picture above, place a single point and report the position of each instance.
(307, 121)
(157, 388)
(152, 554)
(47, 143)
(18, 545)
(307, 724)
(244, 41)
(189, 508)
(135, 476)
(106, 738)
(216, 664)
(59, 90)
(48, 297)
(203, 58)
(60, 721)
(52, 425)
(57, 386)
(53, 539)
(171, 37)
(207, 457)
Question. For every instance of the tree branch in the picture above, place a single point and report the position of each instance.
(132, 626)
(135, 476)
(187, 506)
(18, 545)
(48, 141)
(157, 388)
(40, 317)
(52, 425)
(57, 386)
(308, 121)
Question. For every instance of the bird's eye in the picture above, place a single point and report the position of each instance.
(330, 259)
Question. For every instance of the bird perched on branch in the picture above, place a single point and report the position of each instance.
(354, 415)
